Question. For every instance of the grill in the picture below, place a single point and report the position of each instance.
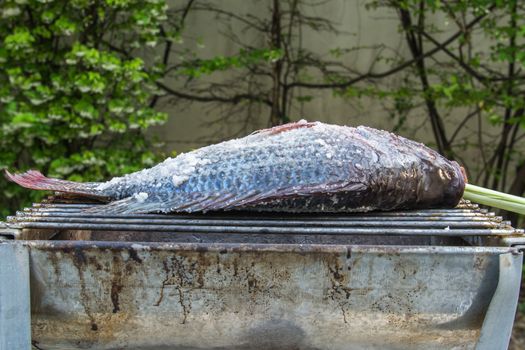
(467, 220)
(422, 279)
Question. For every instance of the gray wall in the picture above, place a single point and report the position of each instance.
(189, 123)
(189, 127)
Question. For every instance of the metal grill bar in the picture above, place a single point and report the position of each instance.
(436, 212)
(473, 211)
(267, 230)
(462, 209)
(448, 217)
(300, 223)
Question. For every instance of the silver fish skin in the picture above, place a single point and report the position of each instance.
(302, 166)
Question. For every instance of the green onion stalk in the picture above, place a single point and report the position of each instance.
(494, 199)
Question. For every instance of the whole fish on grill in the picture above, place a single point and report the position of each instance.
(303, 166)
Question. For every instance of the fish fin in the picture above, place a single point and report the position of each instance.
(215, 202)
(128, 205)
(135, 204)
(228, 200)
(34, 180)
(286, 127)
(188, 205)
(220, 202)
(298, 191)
(206, 203)
(231, 201)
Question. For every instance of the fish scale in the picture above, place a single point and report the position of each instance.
(297, 167)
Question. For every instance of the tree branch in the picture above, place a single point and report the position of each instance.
(436, 121)
(501, 150)
(211, 98)
(169, 44)
(481, 78)
(241, 19)
(396, 69)
(462, 124)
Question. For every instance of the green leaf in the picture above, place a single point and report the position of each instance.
(85, 109)
(24, 120)
(65, 26)
(21, 39)
(495, 119)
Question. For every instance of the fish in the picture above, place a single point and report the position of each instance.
(296, 167)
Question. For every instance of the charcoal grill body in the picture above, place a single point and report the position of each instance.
(436, 279)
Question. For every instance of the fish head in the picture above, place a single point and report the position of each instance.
(443, 183)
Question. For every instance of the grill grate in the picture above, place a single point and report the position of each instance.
(465, 220)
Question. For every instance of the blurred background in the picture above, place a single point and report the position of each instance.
(94, 89)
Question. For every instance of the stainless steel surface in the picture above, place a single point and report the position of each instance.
(15, 325)
(497, 325)
(397, 280)
(108, 295)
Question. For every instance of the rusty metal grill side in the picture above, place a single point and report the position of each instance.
(259, 296)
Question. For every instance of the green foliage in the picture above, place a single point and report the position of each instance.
(245, 58)
(73, 101)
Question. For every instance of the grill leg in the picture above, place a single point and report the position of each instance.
(15, 315)
(497, 326)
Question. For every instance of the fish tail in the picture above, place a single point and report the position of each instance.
(34, 180)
